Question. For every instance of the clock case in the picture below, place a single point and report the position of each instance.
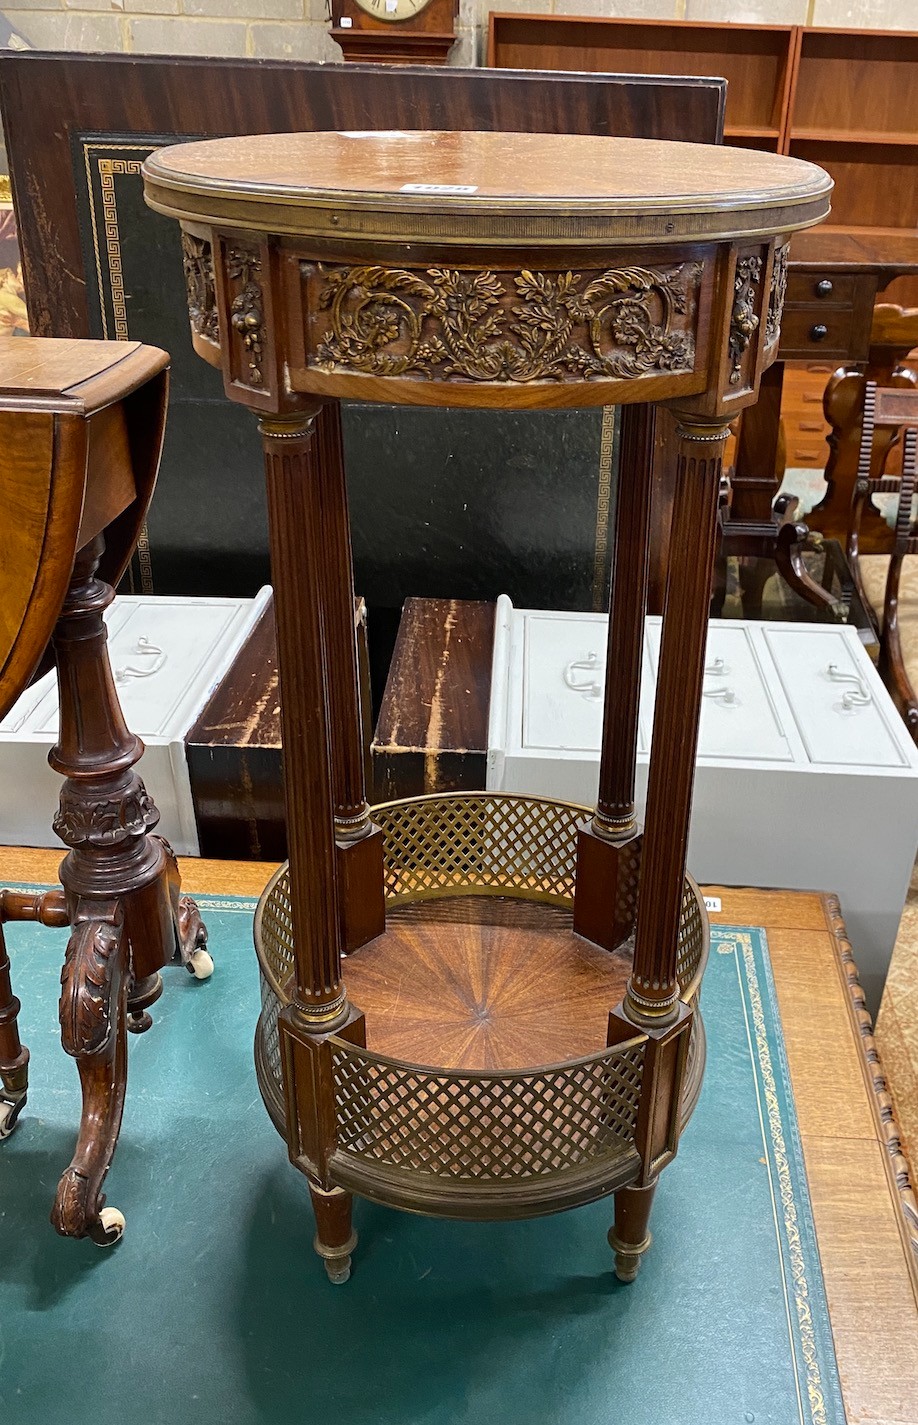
(423, 38)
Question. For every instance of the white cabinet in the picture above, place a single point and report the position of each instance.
(806, 777)
(167, 656)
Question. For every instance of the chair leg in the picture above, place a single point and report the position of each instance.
(789, 548)
(93, 1012)
(14, 1056)
(335, 1238)
(630, 1237)
(891, 664)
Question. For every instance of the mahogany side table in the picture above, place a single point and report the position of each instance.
(81, 432)
(520, 1029)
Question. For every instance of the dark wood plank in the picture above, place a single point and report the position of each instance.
(432, 733)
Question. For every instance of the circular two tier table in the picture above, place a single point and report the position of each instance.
(482, 1005)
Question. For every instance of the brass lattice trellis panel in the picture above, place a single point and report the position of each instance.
(486, 1125)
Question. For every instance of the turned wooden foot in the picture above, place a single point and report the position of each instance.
(630, 1237)
(14, 1056)
(335, 1238)
(93, 1012)
(142, 994)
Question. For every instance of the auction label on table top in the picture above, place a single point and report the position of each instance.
(439, 188)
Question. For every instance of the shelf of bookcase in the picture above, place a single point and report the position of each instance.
(849, 136)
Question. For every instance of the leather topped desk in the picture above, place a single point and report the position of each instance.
(517, 271)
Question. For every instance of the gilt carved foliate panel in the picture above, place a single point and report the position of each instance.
(446, 324)
(744, 320)
(776, 295)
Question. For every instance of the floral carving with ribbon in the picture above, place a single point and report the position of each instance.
(744, 322)
(776, 295)
(198, 266)
(445, 324)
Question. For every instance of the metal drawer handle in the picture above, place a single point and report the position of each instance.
(819, 332)
(859, 697)
(590, 689)
(824, 288)
(145, 649)
(726, 696)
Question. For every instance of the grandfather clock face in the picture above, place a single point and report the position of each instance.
(388, 10)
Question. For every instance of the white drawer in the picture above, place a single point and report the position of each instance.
(782, 769)
(841, 709)
(739, 717)
(167, 655)
(563, 671)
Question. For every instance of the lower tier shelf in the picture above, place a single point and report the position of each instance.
(484, 983)
(486, 1086)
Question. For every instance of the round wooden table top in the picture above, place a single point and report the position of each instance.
(500, 187)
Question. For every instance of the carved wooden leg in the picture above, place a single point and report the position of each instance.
(789, 547)
(118, 890)
(630, 1237)
(320, 1007)
(14, 1056)
(190, 930)
(93, 1013)
(335, 1238)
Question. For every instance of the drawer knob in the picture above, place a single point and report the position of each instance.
(824, 288)
(819, 332)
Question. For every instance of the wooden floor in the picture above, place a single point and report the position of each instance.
(861, 1214)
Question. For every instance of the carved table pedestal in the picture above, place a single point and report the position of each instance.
(81, 431)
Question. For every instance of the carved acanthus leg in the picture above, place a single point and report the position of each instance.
(630, 1237)
(335, 1238)
(93, 1012)
(118, 889)
(14, 1056)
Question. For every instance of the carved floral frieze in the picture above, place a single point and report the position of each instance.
(449, 325)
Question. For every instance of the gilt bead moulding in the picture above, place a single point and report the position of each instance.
(456, 262)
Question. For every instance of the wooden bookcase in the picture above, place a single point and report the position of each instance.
(854, 110)
(845, 99)
(757, 60)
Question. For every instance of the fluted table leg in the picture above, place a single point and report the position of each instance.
(305, 573)
(359, 844)
(609, 846)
